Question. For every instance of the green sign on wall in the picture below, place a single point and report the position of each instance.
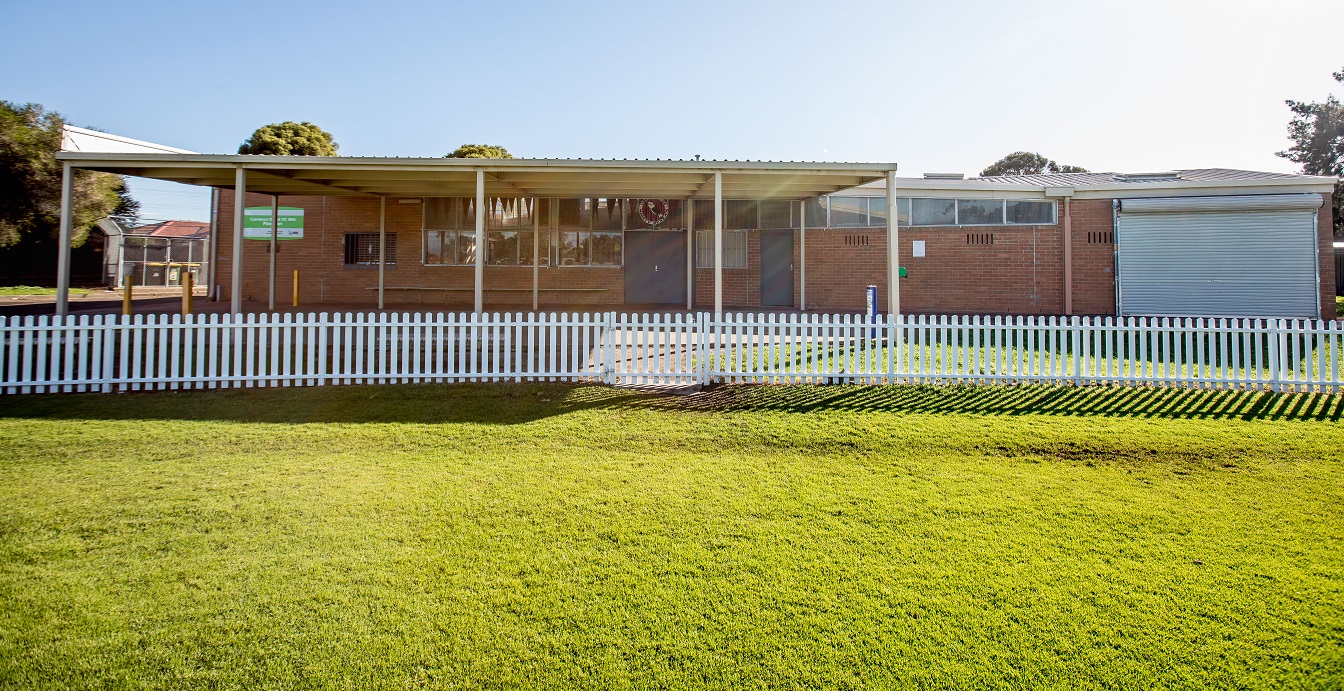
(257, 223)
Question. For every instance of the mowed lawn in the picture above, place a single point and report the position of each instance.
(507, 536)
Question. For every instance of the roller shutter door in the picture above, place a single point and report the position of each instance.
(1243, 256)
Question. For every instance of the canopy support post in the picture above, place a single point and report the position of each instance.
(718, 243)
(536, 250)
(63, 252)
(382, 248)
(893, 250)
(690, 254)
(480, 240)
(239, 208)
(275, 231)
(802, 255)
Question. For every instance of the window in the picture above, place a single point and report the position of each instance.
(514, 248)
(450, 247)
(734, 249)
(777, 214)
(933, 212)
(979, 212)
(1030, 212)
(590, 248)
(361, 249)
(849, 212)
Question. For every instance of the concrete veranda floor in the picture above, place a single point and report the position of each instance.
(169, 301)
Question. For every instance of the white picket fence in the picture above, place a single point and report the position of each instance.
(113, 353)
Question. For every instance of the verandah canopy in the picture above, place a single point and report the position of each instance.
(481, 178)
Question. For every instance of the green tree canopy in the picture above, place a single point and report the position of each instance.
(1317, 133)
(480, 151)
(30, 180)
(1027, 163)
(290, 139)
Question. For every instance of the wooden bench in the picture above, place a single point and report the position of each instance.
(421, 289)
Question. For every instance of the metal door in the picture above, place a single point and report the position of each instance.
(777, 268)
(655, 267)
(1237, 256)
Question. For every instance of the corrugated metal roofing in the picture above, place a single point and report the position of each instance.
(1190, 175)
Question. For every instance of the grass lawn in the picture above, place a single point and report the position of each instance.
(509, 536)
(22, 291)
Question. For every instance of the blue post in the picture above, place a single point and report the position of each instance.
(872, 309)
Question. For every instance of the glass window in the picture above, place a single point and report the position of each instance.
(362, 249)
(849, 212)
(609, 214)
(933, 212)
(816, 212)
(503, 247)
(582, 248)
(777, 214)
(738, 214)
(979, 212)
(606, 249)
(877, 211)
(734, 249)
(1032, 212)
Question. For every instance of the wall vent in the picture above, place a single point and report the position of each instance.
(1100, 237)
(858, 240)
(979, 238)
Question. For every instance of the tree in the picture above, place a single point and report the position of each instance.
(480, 151)
(1027, 163)
(290, 139)
(30, 181)
(1317, 133)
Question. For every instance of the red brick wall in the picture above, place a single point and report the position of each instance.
(1093, 262)
(1020, 273)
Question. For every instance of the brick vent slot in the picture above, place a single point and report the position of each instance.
(979, 238)
(856, 240)
(1100, 237)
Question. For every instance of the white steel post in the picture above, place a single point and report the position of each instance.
(239, 208)
(802, 255)
(214, 246)
(718, 243)
(690, 254)
(63, 252)
(480, 240)
(536, 250)
(893, 249)
(275, 231)
(382, 247)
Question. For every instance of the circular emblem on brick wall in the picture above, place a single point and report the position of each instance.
(653, 211)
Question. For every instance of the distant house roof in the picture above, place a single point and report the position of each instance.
(172, 229)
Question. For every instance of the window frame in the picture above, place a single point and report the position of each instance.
(391, 250)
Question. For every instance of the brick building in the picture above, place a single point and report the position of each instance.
(982, 246)
(403, 232)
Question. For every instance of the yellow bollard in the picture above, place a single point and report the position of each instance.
(296, 287)
(187, 286)
(126, 284)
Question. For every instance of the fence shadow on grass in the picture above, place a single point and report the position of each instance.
(1002, 400)
(507, 403)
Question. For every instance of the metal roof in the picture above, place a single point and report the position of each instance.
(1190, 182)
(456, 177)
(1191, 175)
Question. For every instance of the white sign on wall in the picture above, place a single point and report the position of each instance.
(917, 248)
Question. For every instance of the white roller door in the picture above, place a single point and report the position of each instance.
(1242, 256)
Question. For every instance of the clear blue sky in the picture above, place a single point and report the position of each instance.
(933, 86)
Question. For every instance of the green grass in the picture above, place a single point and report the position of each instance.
(505, 536)
(21, 291)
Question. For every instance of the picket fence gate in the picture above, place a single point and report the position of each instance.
(114, 353)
